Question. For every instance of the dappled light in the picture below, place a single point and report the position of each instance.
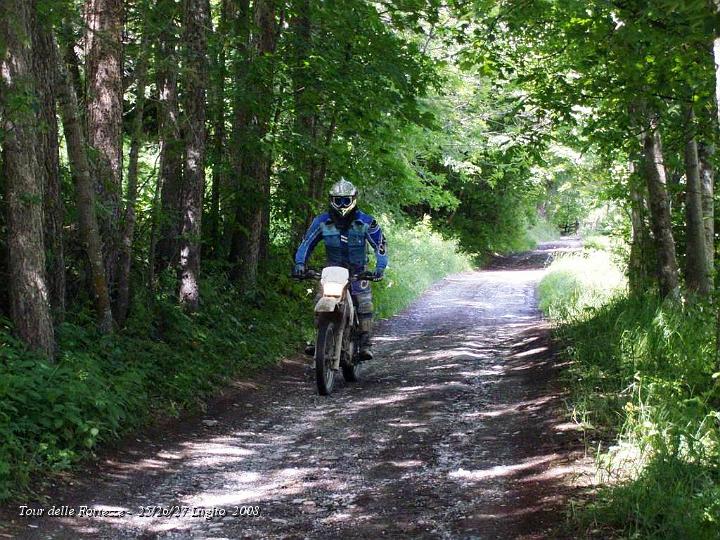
(451, 405)
(359, 269)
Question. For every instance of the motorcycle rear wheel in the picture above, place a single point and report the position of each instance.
(324, 351)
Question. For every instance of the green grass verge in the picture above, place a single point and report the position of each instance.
(643, 375)
(418, 258)
(166, 361)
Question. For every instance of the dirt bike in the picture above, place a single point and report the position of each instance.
(337, 345)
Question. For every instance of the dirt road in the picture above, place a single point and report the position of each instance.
(456, 431)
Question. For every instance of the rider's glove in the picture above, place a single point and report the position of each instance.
(298, 271)
(377, 275)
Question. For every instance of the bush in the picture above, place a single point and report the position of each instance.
(642, 373)
(100, 387)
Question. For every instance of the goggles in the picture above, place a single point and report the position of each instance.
(342, 202)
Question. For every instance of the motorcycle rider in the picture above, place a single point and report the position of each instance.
(346, 232)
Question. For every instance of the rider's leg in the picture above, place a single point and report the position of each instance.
(310, 345)
(363, 302)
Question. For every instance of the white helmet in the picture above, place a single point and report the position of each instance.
(343, 197)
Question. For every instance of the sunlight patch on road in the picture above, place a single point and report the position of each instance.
(531, 352)
(501, 470)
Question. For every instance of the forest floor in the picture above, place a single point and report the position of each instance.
(457, 429)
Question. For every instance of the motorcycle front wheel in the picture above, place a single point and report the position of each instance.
(350, 369)
(324, 351)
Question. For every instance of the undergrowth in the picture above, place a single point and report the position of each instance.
(644, 383)
(418, 258)
(166, 361)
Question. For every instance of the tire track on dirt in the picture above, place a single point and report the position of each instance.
(456, 430)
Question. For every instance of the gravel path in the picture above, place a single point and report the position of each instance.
(456, 430)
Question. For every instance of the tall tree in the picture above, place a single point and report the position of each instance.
(47, 151)
(195, 70)
(29, 295)
(256, 162)
(218, 118)
(84, 194)
(104, 72)
(659, 203)
(170, 135)
(707, 180)
(697, 272)
(136, 140)
(239, 14)
(639, 263)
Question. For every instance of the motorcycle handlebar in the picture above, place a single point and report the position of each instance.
(312, 273)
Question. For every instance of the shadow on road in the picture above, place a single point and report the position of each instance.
(457, 430)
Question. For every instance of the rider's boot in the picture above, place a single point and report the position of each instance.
(310, 345)
(366, 352)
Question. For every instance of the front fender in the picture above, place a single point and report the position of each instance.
(327, 304)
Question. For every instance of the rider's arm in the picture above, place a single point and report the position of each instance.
(310, 240)
(377, 240)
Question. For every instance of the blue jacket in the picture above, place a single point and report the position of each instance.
(347, 248)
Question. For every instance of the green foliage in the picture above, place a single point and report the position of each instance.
(166, 361)
(101, 387)
(576, 283)
(418, 258)
(542, 231)
(651, 382)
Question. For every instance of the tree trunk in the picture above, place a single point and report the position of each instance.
(29, 296)
(128, 232)
(707, 181)
(257, 156)
(85, 194)
(640, 254)
(716, 54)
(240, 138)
(196, 20)
(306, 114)
(171, 144)
(49, 160)
(103, 54)
(697, 273)
(660, 211)
(219, 157)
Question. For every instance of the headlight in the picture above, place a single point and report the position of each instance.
(333, 289)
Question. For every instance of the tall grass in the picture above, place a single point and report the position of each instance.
(643, 383)
(418, 258)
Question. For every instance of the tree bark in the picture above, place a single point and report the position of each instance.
(306, 116)
(103, 53)
(29, 295)
(196, 20)
(49, 160)
(170, 135)
(257, 156)
(85, 195)
(697, 273)
(716, 55)
(239, 137)
(219, 157)
(707, 181)
(660, 211)
(640, 254)
(128, 232)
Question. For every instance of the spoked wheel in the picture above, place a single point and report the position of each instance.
(350, 372)
(350, 369)
(324, 351)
